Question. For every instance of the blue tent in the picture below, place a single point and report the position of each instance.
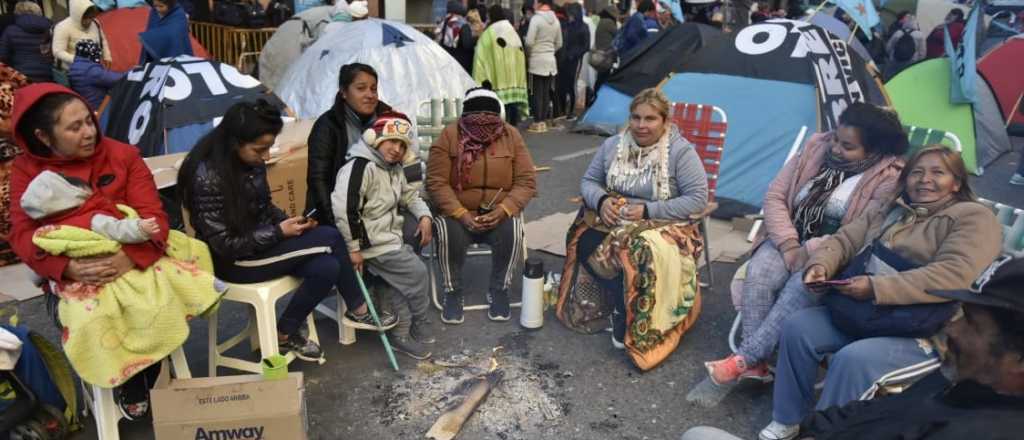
(765, 118)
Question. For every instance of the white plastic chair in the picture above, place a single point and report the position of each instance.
(262, 334)
(346, 333)
(105, 411)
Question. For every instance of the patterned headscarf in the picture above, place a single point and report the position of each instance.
(89, 49)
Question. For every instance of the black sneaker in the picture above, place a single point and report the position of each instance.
(303, 348)
(133, 405)
(365, 321)
(452, 313)
(499, 309)
(422, 330)
(409, 347)
(618, 330)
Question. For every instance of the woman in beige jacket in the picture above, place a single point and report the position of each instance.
(936, 225)
(81, 24)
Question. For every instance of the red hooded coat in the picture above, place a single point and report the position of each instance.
(115, 171)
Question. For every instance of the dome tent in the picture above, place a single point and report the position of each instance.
(411, 67)
(289, 40)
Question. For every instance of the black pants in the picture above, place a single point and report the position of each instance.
(453, 239)
(319, 257)
(542, 97)
(585, 247)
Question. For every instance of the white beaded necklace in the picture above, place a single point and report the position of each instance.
(635, 166)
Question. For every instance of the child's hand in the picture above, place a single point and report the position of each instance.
(149, 226)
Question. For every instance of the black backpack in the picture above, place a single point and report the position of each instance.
(905, 47)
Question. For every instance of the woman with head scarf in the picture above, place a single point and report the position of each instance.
(480, 176)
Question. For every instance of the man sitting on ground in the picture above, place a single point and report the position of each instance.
(984, 395)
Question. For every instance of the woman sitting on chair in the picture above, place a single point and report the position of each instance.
(479, 177)
(882, 268)
(226, 194)
(839, 177)
(635, 237)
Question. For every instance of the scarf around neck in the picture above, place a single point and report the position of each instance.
(355, 125)
(476, 132)
(635, 166)
(810, 214)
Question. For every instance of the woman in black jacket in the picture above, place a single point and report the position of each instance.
(355, 108)
(21, 43)
(577, 42)
(224, 187)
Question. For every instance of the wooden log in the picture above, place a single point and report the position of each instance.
(466, 397)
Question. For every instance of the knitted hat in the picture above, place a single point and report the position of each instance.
(389, 125)
(481, 99)
(88, 49)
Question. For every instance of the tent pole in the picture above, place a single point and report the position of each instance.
(1013, 110)
(853, 33)
(816, 10)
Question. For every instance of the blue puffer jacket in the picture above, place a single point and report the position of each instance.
(91, 80)
(20, 47)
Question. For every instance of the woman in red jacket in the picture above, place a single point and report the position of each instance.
(59, 133)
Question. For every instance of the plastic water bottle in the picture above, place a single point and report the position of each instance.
(531, 315)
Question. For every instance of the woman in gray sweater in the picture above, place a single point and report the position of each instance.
(648, 174)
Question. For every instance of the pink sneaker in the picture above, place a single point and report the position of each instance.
(726, 370)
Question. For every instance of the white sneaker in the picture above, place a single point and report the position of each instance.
(778, 431)
(1017, 179)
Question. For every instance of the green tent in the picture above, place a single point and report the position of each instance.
(920, 94)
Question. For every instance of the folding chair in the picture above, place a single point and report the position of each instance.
(704, 126)
(1012, 220)
(920, 137)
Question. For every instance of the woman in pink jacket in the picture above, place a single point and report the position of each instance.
(839, 176)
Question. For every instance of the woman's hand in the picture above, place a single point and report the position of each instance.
(100, 270)
(295, 226)
(357, 261)
(813, 275)
(469, 221)
(859, 288)
(610, 212)
(795, 258)
(491, 220)
(633, 213)
(425, 231)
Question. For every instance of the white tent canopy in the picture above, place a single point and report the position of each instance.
(411, 67)
(291, 37)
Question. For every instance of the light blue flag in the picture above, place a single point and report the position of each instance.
(862, 12)
(962, 61)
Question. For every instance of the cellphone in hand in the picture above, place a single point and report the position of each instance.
(829, 283)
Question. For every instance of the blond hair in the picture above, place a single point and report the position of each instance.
(654, 98)
(27, 8)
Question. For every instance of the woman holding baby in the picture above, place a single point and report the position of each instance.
(88, 219)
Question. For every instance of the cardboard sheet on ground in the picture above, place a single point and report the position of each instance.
(547, 234)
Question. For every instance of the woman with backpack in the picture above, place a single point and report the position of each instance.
(905, 46)
(81, 24)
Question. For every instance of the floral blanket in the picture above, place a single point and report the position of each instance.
(116, 330)
(658, 261)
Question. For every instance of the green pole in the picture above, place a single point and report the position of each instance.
(376, 319)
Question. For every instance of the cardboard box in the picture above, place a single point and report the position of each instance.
(287, 178)
(230, 407)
